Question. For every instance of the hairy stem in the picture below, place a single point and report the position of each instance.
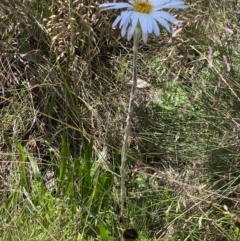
(128, 121)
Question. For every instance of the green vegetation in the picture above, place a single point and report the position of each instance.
(64, 89)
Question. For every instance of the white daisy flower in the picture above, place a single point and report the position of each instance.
(147, 13)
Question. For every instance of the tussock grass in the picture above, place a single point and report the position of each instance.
(63, 96)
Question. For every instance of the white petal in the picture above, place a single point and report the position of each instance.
(130, 32)
(107, 6)
(132, 27)
(129, 35)
(173, 5)
(116, 21)
(125, 25)
(149, 23)
(144, 36)
(158, 3)
(162, 21)
(135, 19)
(164, 2)
(178, 23)
(126, 16)
(133, 23)
(155, 27)
(167, 16)
(124, 29)
(142, 20)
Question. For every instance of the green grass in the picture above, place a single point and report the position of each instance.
(63, 99)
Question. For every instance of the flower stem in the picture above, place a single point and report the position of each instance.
(137, 34)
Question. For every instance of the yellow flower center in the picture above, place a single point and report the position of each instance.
(142, 6)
